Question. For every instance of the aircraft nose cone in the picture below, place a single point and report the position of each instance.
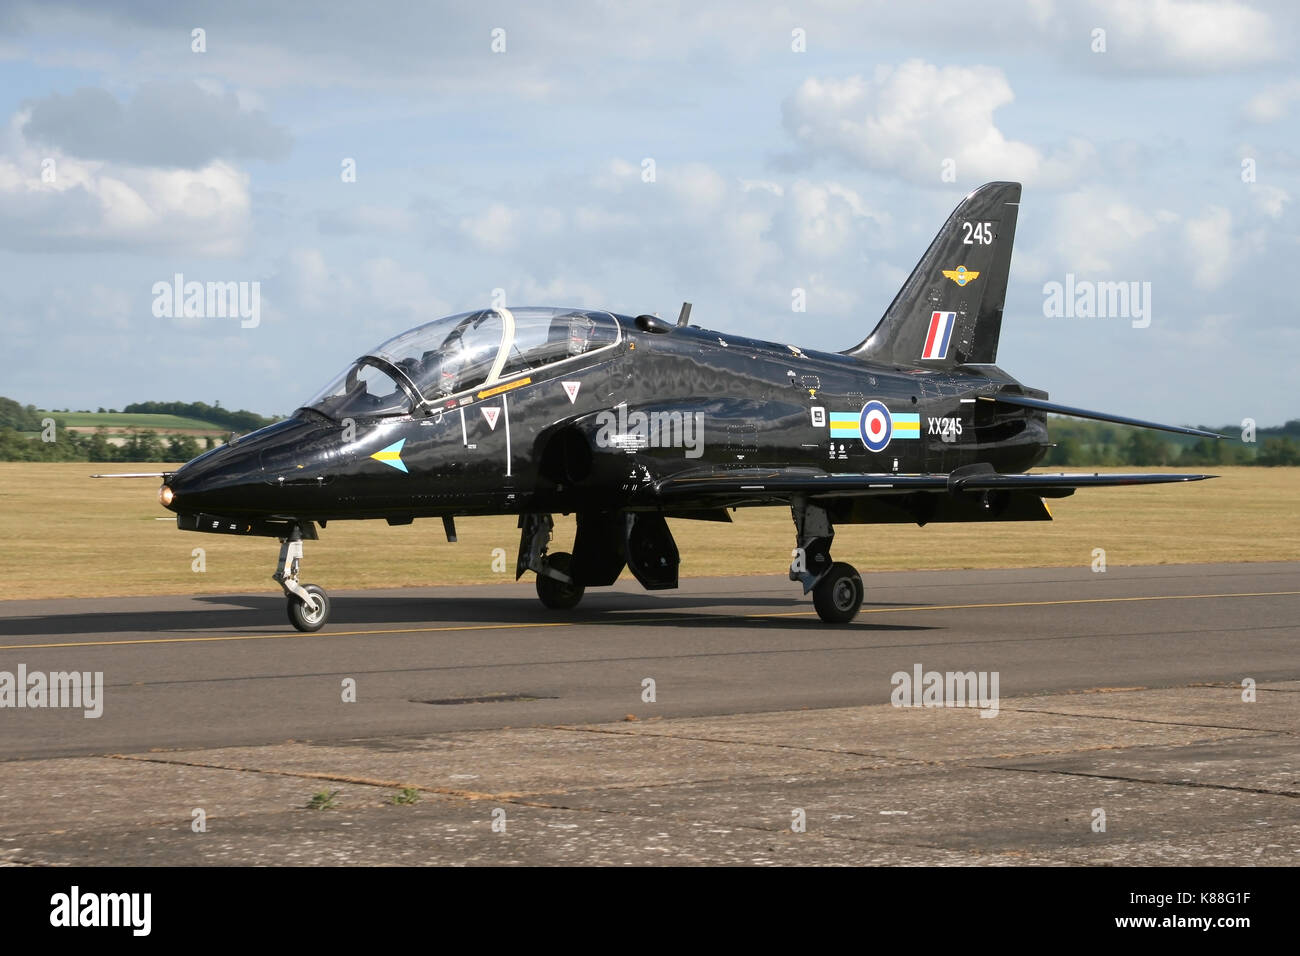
(211, 484)
(232, 480)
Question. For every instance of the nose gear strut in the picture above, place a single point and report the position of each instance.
(308, 605)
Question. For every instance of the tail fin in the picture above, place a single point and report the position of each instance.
(949, 312)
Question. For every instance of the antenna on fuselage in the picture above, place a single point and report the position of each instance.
(685, 315)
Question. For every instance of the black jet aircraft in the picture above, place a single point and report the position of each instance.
(626, 421)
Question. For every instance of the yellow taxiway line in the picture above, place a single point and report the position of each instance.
(636, 620)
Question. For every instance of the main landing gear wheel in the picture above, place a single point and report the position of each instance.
(554, 593)
(838, 595)
(307, 618)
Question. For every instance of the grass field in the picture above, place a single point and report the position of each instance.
(63, 534)
(121, 420)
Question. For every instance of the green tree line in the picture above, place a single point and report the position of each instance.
(80, 446)
(18, 417)
(27, 418)
(22, 434)
(238, 421)
(1084, 443)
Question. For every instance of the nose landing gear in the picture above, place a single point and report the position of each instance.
(308, 605)
(309, 617)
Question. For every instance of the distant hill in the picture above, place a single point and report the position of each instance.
(143, 431)
(123, 420)
(239, 421)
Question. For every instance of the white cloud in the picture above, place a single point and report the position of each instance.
(912, 119)
(826, 219)
(827, 296)
(183, 123)
(372, 299)
(393, 289)
(1197, 35)
(697, 187)
(368, 218)
(560, 291)
(1273, 102)
(1099, 233)
(310, 284)
(95, 206)
(1271, 200)
(1096, 231)
(495, 229)
(51, 201)
(616, 175)
(1210, 248)
(752, 185)
(593, 218)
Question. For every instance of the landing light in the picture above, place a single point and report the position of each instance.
(165, 495)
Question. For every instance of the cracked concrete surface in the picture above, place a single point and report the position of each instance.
(1189, 775)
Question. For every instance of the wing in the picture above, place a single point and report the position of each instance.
(783, 483)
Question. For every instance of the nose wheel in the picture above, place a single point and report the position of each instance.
(308, 605)
(309, 617)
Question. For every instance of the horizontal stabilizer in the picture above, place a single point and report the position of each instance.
(1024, 401)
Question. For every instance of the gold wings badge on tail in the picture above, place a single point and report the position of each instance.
(960, 275)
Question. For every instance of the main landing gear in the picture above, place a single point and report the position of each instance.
(836, 586)
(555, 585)
(308, 604)
(606, 542)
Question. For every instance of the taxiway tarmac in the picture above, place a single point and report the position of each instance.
(1121, 689)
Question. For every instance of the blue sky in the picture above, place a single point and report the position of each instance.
(522, 170)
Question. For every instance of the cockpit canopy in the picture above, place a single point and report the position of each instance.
(447, 356)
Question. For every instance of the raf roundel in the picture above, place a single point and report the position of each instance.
(875, 426)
